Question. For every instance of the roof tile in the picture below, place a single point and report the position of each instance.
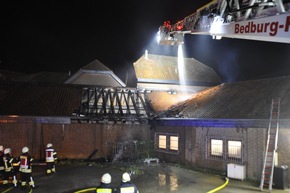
(39, 100)
(241, 100)
(165, 68)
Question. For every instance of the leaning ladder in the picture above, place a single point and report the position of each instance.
(272, 139)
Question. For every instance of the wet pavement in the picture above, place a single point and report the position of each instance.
(149, 178)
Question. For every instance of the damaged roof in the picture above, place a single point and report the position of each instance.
(164, 69)
(45, 94)
(241, 100)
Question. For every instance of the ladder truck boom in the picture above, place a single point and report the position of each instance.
(262, 20)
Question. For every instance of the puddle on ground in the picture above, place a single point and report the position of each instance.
(168, 180)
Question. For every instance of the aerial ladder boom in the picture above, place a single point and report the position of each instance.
(262, 20)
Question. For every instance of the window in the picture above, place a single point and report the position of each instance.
(174, 143)
(167, 142)
(216, 147)
(235, 149)
(224, 149)
(162, 141)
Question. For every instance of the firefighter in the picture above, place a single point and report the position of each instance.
(126, 185)
(9, 170)
(50, 158)
(105, 185)
(25, 169)
(167, 26)
(2, 168)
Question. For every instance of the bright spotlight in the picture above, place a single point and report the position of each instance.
(164, 37)
(216, 28)
(158, 38)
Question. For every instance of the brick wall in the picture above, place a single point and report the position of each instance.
(71, 141)
(193, 143)
(80, 141)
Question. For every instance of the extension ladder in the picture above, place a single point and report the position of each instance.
(270, 153)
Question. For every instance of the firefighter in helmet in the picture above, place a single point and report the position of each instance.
(126, 185)
(2, 167)
(105, 185)
(9, 170)
(50, 159)
(25, 168)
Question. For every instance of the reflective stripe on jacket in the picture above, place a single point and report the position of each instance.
(50, 155)
(127, 187)
(25, 163)
(104, 190)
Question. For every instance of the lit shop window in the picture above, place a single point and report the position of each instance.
(162, 141)
(216, 147)
(174, 143)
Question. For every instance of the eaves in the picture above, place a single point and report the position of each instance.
(224, 123)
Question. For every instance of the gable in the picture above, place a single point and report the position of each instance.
(97, 74)
(165, 69)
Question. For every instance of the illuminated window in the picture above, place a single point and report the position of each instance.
(216, 147)
(174, 143)
(167, 143)
(235, 149)
(162, 141)
(224, 149)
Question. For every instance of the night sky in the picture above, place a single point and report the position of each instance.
(63, 36)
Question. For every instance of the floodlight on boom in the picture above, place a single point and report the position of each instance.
(164, 37)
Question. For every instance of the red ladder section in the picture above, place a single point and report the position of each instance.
(271, 147)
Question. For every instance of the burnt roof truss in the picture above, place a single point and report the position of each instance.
(112, 105)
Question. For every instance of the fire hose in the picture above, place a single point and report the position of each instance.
(220, 187)
(86, 190)
(7, 190)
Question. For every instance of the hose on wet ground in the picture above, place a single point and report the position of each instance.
(220, 187)
(30, 190)
(11, 188)
(86, 190)
(93, 189)
(7, 190)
